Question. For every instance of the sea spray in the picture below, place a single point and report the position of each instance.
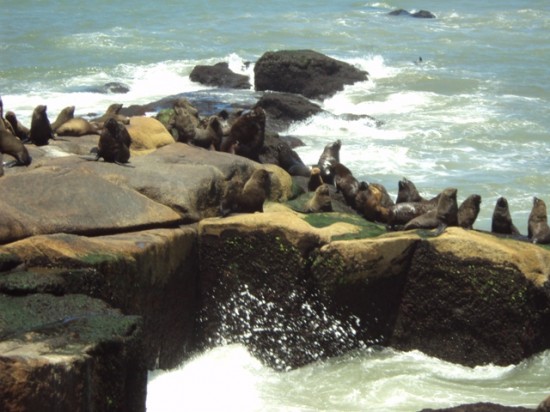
(283, 329)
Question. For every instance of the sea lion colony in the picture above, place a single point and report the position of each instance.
(243, 133)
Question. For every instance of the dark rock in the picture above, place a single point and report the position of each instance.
(219, 75)
(305, 72)
(424, 14)
(284, 108)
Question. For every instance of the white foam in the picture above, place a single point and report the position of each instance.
(222, 379)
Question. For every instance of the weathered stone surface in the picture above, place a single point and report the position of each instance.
(305, 72)
(52, 201)
(219, 75)
(151, 273)
(189, 180)
(69, 353)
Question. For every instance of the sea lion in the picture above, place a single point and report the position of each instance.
(407, 192)
(371, 203)
(315, 179)
(330, 155)
(320, 202)
(114, 143)
(404, 212)
(112, 111)
(289, 160)
(4, 125)
(21, 131)
(537, 226)
(250, 198)
(446, 214)
(468, 211)
(64, 116)
(345, 182)
(41, 129)
(249, 132)
(1, 166)
(11, 145)
(182, 125)
(77, 126)
(502, 220)
(209, 136)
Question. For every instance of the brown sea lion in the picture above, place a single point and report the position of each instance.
(182, 125)
(249, 132)
(11, 145)
(210, 136)
(320, 202)
(315, 179)
(77, 126)
(370, 202)
(289, 160)
(544, 406)
(114, 143)
(468, 211)
(407, 192)
(1, 166)
(112, 111)
(64, 116)
(21, 131)
(330, 155)
(537, 227)
(502, 219)
(404, 212)
(41, 129)
(446, 214)
(250, 198)
(4, 125)
(345, 182)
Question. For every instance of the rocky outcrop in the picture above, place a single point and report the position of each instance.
(305, 72)
(219, 75)
(68, 353)
(463, 296)
(481, 407)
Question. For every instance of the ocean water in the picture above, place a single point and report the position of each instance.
(473, 115)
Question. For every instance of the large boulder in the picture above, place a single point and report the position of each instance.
(305, 72)
(49, 200)
(219, 75)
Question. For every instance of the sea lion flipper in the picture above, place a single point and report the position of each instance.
(440, 229)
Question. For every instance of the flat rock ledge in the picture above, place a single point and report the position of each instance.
(107, 271)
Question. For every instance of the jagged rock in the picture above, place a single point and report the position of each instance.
(69, 353)
(305, 72)
(219, 75)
